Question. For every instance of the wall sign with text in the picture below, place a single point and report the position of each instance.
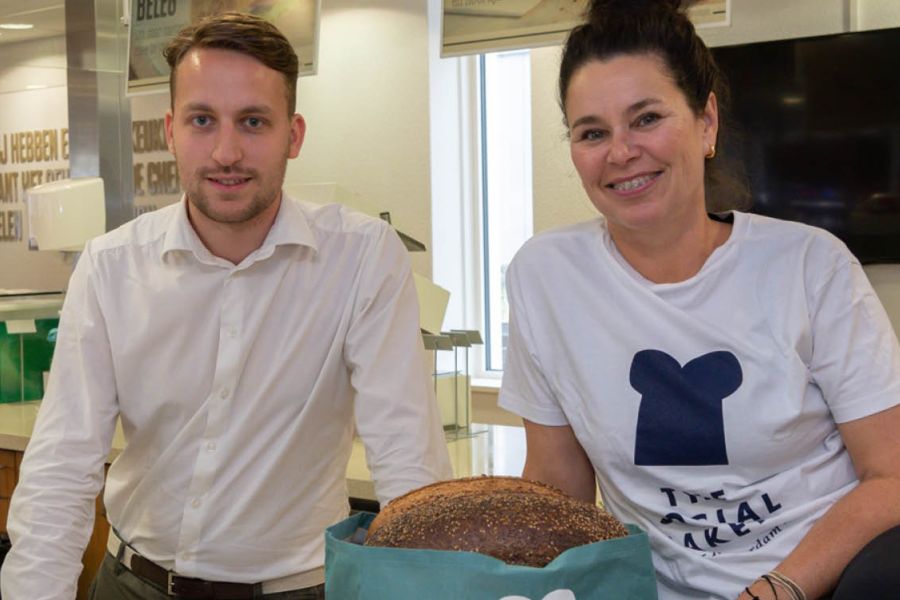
(28, 158)
(154, 22)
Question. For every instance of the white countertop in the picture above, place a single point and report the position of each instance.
(23, 304)
(482, 450)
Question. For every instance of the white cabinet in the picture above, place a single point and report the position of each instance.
(874, 14)
(765, 20)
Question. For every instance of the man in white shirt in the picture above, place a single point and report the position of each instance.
(238, 335)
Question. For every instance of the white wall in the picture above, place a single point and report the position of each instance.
(558, 196)
(367, 111)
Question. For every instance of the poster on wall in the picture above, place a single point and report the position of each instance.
(34, 150)
(154, 22)
(478, 26)
(155, 172)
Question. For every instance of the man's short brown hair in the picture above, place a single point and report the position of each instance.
(240, 32)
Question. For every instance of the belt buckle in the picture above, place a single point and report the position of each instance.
(188, 587)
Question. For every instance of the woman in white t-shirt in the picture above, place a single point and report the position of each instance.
(730, 381)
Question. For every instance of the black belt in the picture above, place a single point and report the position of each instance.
(190, 588)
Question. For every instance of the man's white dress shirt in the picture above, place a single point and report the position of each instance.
(238, 387)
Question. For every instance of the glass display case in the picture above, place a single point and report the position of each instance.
(28, 324)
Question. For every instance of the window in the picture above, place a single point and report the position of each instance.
(481, 188)
(506, 196)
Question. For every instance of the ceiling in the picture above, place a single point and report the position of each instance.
(47, 16)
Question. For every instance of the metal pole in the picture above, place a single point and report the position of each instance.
(468, 390)
(455, 388)
(99, 111)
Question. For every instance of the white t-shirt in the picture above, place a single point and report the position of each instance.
(708, 406)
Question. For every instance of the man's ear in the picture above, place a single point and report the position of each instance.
(298, 133)
(170, 137)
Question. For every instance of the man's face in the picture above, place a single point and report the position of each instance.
(231, 135)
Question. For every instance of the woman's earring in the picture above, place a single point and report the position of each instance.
(711, 153)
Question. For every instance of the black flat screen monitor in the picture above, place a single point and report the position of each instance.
(818, 130)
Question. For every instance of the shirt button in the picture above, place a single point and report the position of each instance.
(211, 446)
(196, 503)
(232, 332)
(224, 393)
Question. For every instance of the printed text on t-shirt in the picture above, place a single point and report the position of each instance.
(721, 521)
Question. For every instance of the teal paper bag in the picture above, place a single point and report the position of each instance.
(619, 569)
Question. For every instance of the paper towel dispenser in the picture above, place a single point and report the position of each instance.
(64, 214)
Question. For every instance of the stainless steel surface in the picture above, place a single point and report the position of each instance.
(99, 111)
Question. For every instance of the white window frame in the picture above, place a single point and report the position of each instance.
(507, 206)
(456, 187)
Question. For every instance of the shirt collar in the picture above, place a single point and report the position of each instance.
(291, 226)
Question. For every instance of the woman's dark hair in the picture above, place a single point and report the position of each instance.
(660, 28)
(240, 32)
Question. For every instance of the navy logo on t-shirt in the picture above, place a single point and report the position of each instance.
(680, 419)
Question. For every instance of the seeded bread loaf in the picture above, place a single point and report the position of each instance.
(516, 520)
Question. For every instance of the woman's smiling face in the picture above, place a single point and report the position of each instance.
(636, 144)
